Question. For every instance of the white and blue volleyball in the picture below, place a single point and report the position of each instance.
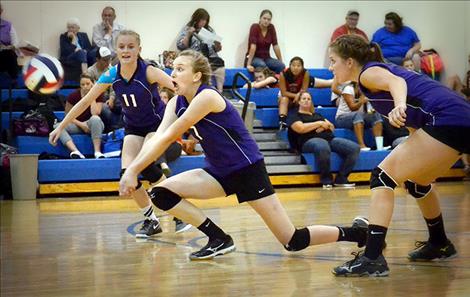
(43, 74)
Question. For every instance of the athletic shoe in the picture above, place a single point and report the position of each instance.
(365, 149)
(214, 248)
(282, 125)
(99, 155)
(149, 228)
(363, 266)
(181, 226)
(165, 169)
(426, 251)
(361, 224)
(345, 185)
(76, 155)
(327, 186)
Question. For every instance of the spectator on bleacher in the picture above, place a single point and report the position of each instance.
(8, 44)
(393, 136)
(88, 122)
(189, 38)
(106, 32)
(350, 27)
(264, 78)
(457, 85)
(310, 132)
(408, 64)
(292, 82)
(111, 114)
(262, 36)
(165, 94)
(75, 46)
(398, 41)
(352, 113)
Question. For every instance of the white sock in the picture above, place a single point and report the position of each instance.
(149, 213)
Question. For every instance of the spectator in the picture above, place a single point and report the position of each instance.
(8, 44)
(351, 115)
(293, 81)
(398, 41)
(188, 38)
(88, 122)
(393, 136)
(262, 36)
(352, 18)
(106, 32)
(264, 78)
(312, 133)
(166, 94)
(456, 84)
(111, 114)
(408, 64)
(75, 47)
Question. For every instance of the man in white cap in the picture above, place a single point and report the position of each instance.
(350, 27)
(111, 112)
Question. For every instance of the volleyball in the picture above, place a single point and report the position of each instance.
(43, 74)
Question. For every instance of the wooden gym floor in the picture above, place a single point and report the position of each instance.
(86, 247)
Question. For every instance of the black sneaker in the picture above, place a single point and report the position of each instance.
(149, 228)
(181, 226)
(282, 126)
(363, 266)
(426, 251)
(214, 248)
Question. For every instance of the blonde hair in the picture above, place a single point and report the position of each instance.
(200, 64)
(126, 33)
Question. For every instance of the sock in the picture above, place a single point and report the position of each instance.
(375, 240)
(148, 212)
(211, 230)
(348, 234)
(437, 235)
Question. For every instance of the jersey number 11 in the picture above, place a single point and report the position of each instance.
(126, 101)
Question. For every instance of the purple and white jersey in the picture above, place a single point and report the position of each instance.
(429, 103)
(141, 104)
(227, 144)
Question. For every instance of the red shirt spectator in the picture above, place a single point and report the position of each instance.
(73, 99)
(352, 18)
(263, 43)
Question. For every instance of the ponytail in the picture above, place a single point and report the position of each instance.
(355, 47)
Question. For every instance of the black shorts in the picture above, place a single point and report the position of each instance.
(249, 183)
(140, 131)
(456, 137)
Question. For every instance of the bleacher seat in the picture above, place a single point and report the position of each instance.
(270, 116)
(366, 161)
(17, 94)
(269, 97)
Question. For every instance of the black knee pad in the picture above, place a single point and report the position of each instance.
(152, 173)
(300, 240)
(139, 184)
(417, 191)
(163, 198)
(380, 179)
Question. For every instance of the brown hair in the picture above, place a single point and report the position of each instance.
(200, 14)
(312, 108)
(266, 71)
(200, 64)
(355, 47)
(170, 93)
(396, 19)
(87, 75)
(265, 11)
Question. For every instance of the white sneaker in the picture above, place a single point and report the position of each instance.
(76, 155)
(365, 149)
(99, 155)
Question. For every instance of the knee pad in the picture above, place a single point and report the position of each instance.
(299, 241)
(139, 184)
(417, 191)
(380, 179)
(163, 198)
(152, 173)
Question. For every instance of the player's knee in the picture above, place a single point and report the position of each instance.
(299, 241)
(417, 191)
(152, 173)
(163, 198)
(139, 184)
(380, 179)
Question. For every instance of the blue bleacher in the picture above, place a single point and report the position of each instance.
(270, 116)
(366, 161)
(16, 114)
(18, 94)
(269, 97)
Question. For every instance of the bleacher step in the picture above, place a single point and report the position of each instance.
(282, 160)
(265, 137)
(273, 145)
(280, 169)
(269, 153)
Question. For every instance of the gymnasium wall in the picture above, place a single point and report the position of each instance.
(304, 27)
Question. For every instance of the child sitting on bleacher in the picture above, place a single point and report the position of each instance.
(88, 122)
(165, 94)
(264, 78)
(408, 64)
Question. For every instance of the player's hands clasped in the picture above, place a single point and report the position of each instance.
(128, 183)
(397, 117)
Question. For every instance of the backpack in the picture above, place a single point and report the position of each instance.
(112, 143)
(431, 63)
(31, 123)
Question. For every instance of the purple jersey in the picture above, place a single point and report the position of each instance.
(227, 144)
(141, 104)
(429, 103)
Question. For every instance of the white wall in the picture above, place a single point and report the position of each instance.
(304, 27)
